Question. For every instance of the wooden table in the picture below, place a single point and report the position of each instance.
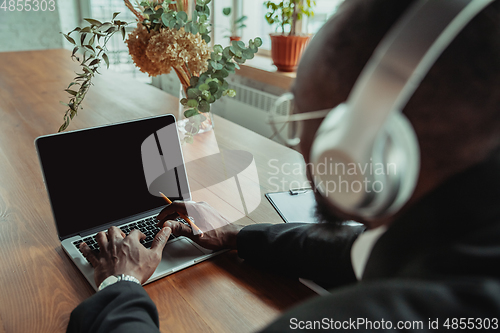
(39, 284)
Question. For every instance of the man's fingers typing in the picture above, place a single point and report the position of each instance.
(166, 218)
(172, 209)
(87, 253)
(102, 240)
(179, 228)
(160, 240)
(137, 234)
(115, 234)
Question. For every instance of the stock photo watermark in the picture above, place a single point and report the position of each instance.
(388, 325)
(340, 175)
(27, 5)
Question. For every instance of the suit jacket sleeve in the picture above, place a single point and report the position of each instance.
(320, 252)
(122, 307)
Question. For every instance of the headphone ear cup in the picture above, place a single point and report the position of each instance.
(331, 157)
(377, 182)
(401, 162)
(395, 167)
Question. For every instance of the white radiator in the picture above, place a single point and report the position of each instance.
(250, 108)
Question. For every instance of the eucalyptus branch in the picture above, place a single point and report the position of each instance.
(93, 52)
(212, 85)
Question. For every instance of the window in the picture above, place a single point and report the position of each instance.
(119, 57)
(257, 24)
(255, 10)
(323, 10)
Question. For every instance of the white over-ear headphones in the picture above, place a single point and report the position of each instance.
(365, 156)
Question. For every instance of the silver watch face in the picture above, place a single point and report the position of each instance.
(108, 281)
(117, 278)
(112, 279)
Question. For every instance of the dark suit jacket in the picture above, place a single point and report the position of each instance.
(439, 261)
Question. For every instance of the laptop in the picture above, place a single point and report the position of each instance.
(111, 176)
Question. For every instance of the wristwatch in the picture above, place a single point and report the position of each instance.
(117, 278)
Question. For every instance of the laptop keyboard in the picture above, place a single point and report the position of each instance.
(147, 226)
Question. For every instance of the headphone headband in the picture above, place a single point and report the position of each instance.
(404, 57)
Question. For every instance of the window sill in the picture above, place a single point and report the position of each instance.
(261, 69)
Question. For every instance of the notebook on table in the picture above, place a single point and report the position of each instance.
(295, 205)
(111, 176)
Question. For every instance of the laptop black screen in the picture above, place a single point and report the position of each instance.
(96, 176)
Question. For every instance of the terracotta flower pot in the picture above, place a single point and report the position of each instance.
(286, 50)
(235, 38)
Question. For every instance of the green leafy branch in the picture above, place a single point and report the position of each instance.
(157, 16)
(211, 85)
(92, 53)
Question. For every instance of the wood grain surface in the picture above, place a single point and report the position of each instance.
(40, 286)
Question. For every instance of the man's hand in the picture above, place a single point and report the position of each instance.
(218, 232)
(122, 254)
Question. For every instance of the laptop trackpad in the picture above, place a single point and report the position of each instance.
(178, 253)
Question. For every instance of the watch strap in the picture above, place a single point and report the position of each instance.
(110, 280)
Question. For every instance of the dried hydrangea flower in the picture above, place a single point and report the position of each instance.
(137, 42)
(176, 48)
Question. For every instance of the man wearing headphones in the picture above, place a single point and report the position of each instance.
(431, 250)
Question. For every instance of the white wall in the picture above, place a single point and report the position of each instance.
(69, 17)
(30, 30)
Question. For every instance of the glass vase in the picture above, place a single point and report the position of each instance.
(199, 123)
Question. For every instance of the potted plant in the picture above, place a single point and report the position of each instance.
(236, 24)
(286, 48)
